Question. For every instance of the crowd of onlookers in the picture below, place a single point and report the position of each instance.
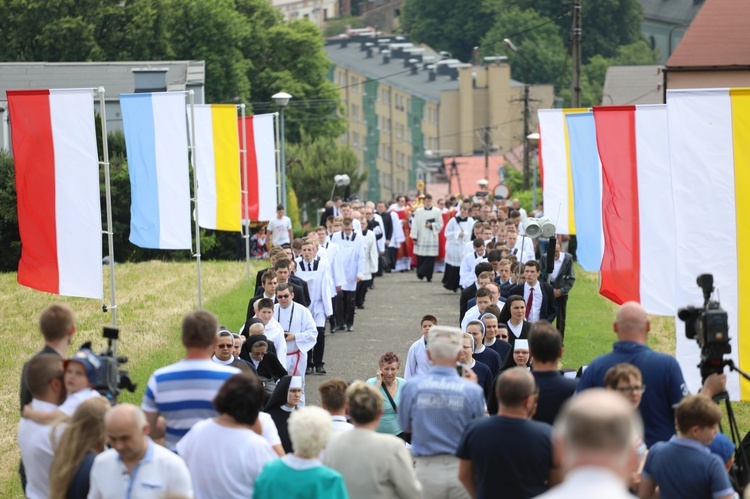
(483, 410)
(207, 429)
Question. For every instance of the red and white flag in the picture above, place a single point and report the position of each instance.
(57, 183)
(260, 146)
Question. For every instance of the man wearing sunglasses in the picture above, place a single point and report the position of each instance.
(299, 330)
(224, 353)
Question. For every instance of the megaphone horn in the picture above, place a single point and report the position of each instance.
(531, 227)
(547, 226)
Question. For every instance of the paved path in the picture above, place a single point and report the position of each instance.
(389, 322)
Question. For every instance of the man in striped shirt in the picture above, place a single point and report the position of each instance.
(183, 392)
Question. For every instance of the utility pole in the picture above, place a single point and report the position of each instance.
(575, 49)
(526, 89)
(487, 153)
(575, 87)
(526, 164)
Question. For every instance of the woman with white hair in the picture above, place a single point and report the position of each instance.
(301, 475)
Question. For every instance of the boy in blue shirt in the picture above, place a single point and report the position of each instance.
(684, 466)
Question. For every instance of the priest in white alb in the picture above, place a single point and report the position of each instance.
(299, 330)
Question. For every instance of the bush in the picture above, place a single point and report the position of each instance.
(9, 236)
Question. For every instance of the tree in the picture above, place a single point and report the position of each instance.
(447, 24)
(544, 46)
(607, 24)
(311, 166)
(289, 57)
(9, 236)
(211, 30)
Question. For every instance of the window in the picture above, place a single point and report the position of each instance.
(354, 82)
(386, 95)
(400, 102)
(355, 140)
(354, 112)
(399, 131)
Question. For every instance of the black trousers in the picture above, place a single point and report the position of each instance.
(315, 356)
(392, 253)
(562, 307)
(425, 266)
(350, 300)
(362, 287)
(337, 319)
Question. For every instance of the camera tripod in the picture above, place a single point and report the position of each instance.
(741, 468)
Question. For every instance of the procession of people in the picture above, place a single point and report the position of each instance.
(477, 408)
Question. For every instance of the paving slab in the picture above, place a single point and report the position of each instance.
(389, 322)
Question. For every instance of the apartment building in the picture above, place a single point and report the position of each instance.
(404, 102)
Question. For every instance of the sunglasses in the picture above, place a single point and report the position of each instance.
(226, 345)
(283, 296)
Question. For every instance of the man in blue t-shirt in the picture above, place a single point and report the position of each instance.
(509, 455)
(684, 466)
(661, 373)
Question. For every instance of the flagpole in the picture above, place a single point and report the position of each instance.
(110, 236)
(191, 93)
(245, 195)
(278, 156)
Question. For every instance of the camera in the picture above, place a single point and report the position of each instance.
(709, 326)
(112, 379)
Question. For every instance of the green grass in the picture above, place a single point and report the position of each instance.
(230, 308)
(588, 332)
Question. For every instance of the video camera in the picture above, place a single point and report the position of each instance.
(112, 379)
(709, 326)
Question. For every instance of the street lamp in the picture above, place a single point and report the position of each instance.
(526, 89)
(533, 137)
(282, 99)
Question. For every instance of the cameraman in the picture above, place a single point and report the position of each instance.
(662, 377)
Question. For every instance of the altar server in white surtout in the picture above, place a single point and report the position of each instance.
(316, 272)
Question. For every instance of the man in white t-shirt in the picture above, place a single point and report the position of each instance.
(135, 466)
(225, 454)
(44, 377)
(280, 228)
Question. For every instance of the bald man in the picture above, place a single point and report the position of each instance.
(135, 466)
(594, 436)
(509, 455)
(661, 373)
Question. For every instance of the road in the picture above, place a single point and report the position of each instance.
(389, 322)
